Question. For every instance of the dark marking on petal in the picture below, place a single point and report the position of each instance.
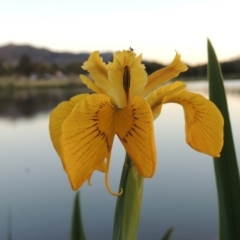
(126, 79)
(129, 133)
(139, 128)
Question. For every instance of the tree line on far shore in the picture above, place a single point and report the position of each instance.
(26, 67)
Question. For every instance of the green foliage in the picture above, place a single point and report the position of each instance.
(226, 168)
(40, 68)
(25, 66)
(74, 68)
(230, 69)
(47, 62)
(168, 234)
(196, 72)
(152, 66)
(4, 68)
(77, 225)
(128, 207)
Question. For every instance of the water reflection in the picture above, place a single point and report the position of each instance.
(232, 87)
(181, 194)
(27, 103)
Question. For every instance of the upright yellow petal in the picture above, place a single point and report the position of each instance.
(203, 122)
(98, 71)
(138, 76)
(57, 117)
(91, 85)
(87, 136)
(165, 74)
(134, 127)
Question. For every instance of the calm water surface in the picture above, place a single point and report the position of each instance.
(35, 192)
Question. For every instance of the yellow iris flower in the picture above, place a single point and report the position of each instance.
(125, 103)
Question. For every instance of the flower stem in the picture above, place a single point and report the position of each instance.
(128, 207)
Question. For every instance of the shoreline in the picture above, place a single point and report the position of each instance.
(10, 83)
(25, 83)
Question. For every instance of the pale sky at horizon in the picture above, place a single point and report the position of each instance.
(154, 28)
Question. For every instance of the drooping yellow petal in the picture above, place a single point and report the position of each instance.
(98, 71)
(134, 127)
(87, 136)
(155, 98)
(91, 85)
(165, 74)
(57, 117)
(203, 122)
(138, 77)
(101, 167)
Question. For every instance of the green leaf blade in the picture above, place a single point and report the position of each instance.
(168, 234)
(226, 168)
(77, 232)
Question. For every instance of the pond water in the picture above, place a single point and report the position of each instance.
(36, 200)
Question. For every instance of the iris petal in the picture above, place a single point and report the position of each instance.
(134, 127)
(98, 71)
(203, 122)
(91, 85)
(87, 137)
(58, 116)
(138, 76)
(155, 98)
(165, 74)
(82, 130)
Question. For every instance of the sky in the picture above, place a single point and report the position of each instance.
(154, 28)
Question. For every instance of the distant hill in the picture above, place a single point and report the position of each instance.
(12, 53)
(42, 61)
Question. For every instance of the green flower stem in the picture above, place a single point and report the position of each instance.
(226, 168)
(128, 207)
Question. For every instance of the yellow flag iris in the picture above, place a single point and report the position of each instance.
(125, 103)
